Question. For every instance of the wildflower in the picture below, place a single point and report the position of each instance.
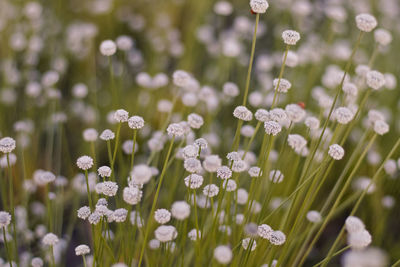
(223, 254)
(278, 115)
(343, 115)
(277, 238)
(230, 89)
(109, 188)
(37, 262)
(211, 163)
(94, 218)
(193, 234)
(350, 89)
(108, 48)
(141, 174)
(135, 122)
(242, 113)
(201, 143)
(375, 79)
(224, 172)
(84, 212)
(166, 233)
(312, 123)
(194, 181)
(276, 176)
(246, 243)
(295, 113)
(381, 127)
(90, 135)
(119, 215)
(180, 210)
(284, 85)
(297, 142)
(272, 128)
(261, 115)
(5, 219)
(234, 156)
(230, 185)
(242, 196)
(121, 115)
(336, 152)
(124, 42)
(290, 37)
(190, 151)
(195, 121)
(366, 22)
(181, 78)
(50, 239)
(107, 135)
(383, 37)
(175, 129)
(7, 144)
(104, 171)
(154, 244)
(314, 216)
(162, 216)
(82, 250)
(84, 162)
(192, 165)
(254, 171)
(132, 195)
(210, 190)
(354, 224)
(239, 166)
(359, 240)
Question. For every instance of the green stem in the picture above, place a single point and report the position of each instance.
(6, 245)
(280, 77)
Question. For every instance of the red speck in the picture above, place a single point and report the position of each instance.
(302, 105)
(252, 12)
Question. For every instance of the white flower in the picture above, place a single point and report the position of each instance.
(223, 254)
(119, 215)
(290, 37)
(124, 42)
(194, 181)
(165, 233)
(121, 115)
(195, 121)
(50, 239)
(190, 151)
(132, 195)
(336, 151)
(312, 123)
(242, 113)
(210, 190)
(193, 234)
(175, 129)
(375, 79)
(192, 165)
(90, 135)
(262, 115)
(297, 142)
(104, 171)
(383, 37)
(366, 22)
(180, 210)
(343, 115)
(162, 216)
(5, 219)
(359, 240)
(272, 128)
(246, 243)
(107, 135)
(254, 171)
(181, 78)
(37, 262)
(82, 250)
(7, 144)
(284, 85)
(224, 172)
(229, 185)
(211, 163)
(295, 113)
(108, 48)
(314, 216)
(135, 122)
(350, 89)
(84, 212)
(354, 224)
(381, 127)
(84, 162)
(109, 188)
(141, 174)
(230, 89)
(277, 238)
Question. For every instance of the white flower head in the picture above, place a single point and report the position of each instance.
(223, 254)
(162, 216)
(259, 6)
(243, 113)
(180, 210)
(336, 151)
(194, 181)
(50, 239)
(136, 122)
(366, 22)
(381, 127)
(108, 48)
(272, 127)
(84, 162)
(290, 37)
(82, 250)
(166, 233)
(121, 115)
(5, 219)
(7, 144)
(375, 79)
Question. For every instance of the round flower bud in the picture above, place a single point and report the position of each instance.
(259, 6)
(290, 37)
(336, 151)
(37, 262)
(82, 250)
(132, 195)
(84, 162)
(104, 171)
(211, 163)
(141, 174)
(195, 121)
(121, 115)
(272, 128)
(119, 215)
(7, 144)
(230, 89)
(312, 123)
(90, 135)
(383, 37)
(194, 181)
(135, 122)
(109, 188)
(180, 210)
(50, 239)
(264, 231)
(359, 240)
(254, 172)
(381, 127)
(175, 129)
(242, 113)
(284, 85)
(162, 216)
(354, 224)
(181, 78)
(192, 165)
(375, 79)
(223, 254)
(107, 135)
(314, 216)
(262, 115)
(5, 219)
(166, 233)
(277, 238)
(350, 89)
(210, 190)
(190, 151)
(297, 142)
(295, 113)
(108, 48)
(343, 115)
(366, 22)
(94, 218)
(224, 172)
(83, 212)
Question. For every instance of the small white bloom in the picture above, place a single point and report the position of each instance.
(375, 79)
(50, 239)
(82, 250)
(7, 144)
(336, 151)
(242, 113)
(108, 48)
(223, 254)
(366, 22)
(290, 37)
(166, 233)
(121, 115)
(135, 122)
(84, 162)
(180, 210)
